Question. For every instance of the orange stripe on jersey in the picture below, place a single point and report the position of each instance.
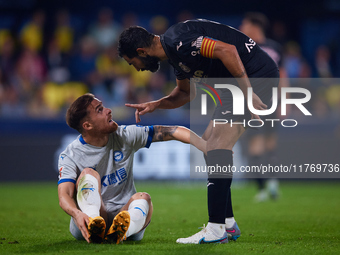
(208, 46)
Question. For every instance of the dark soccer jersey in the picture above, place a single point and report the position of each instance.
(182, 44)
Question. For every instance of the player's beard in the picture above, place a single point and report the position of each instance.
(150, 63)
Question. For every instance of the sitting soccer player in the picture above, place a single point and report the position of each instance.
(96, 184)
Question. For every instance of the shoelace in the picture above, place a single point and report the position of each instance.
(203, 231)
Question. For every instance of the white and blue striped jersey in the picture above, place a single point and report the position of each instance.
(113, 162)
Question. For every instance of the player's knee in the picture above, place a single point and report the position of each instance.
(146, 196)
(89, 171)
(205, 136)
(142, 195)
(215, 141)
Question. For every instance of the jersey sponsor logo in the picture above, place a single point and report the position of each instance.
(226, 112)
(195, 52)
(198, 74)
(184, 67)
(250, 45)
(118, 177)
(197, 43)
(118, 155)
(179, 45)
(62, 156)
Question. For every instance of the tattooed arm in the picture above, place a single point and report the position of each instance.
(182, 134)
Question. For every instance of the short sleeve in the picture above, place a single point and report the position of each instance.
(194, 46)
(186, 52)
(138, 136)
(191, 51)
(179, 75)
(188, 46)
(67, 169)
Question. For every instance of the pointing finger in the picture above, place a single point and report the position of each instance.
(136, 106)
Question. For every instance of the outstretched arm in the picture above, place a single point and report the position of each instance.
(183, 93)
(179, 133)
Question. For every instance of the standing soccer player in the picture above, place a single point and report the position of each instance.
(96, 184)
(262, 144)
(220, 51)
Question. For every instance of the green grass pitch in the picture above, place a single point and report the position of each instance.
(305, 220)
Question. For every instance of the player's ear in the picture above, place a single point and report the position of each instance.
(87, 125)
(141, 52)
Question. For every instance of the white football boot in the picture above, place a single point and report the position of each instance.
(206, 235)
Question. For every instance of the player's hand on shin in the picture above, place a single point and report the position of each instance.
(82, 221)
(143, 108)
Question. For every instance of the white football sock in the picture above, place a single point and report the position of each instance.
(138, 210)
(216, 228)
(229, 222)
(88, 197)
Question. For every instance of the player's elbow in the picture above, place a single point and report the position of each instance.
(227, 50)
(188, 99)
(231, 49)
(61, 204)
(181, 134)
(185, 96)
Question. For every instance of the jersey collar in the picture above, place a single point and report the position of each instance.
(81, 139)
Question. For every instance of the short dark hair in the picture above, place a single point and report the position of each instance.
(258, 19)
(133, 38)
(78, 111)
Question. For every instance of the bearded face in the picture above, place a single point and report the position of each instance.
(150, 63)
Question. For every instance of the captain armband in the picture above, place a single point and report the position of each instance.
(207, 47)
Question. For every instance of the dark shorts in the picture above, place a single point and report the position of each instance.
(267, 129)
(262, 87)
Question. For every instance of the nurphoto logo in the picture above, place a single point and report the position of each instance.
(239, 105)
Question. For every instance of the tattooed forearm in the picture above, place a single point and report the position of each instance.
(163, 133)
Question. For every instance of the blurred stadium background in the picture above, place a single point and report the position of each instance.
(53, 51)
